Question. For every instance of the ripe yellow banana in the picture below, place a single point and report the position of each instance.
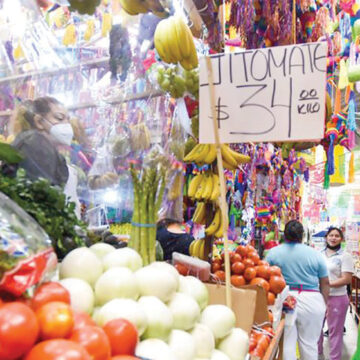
(201, 188)
(227, 156)
(134, 7)
(216, 188)
(200, 155)
(193, 153)
(228, 166)
(200, 213)
(191, 248)
(174, 41)
(196, 247)
(240, 158)
(161, 42)
(211, 155)
(208, 187)
(194, 183)
(212, 228)
(185, 47)
(219, 233)
(201, 254)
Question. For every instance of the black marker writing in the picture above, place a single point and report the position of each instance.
(220, 114)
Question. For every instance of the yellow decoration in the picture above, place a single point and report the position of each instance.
(338, 178)
(343, 75)
(18, 52)
(70, 35)
(352, 168)
(106, 24)
(90, 30)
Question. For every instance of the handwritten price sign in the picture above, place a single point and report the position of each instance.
(273, 94)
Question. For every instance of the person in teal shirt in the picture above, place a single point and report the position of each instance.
(305, 272)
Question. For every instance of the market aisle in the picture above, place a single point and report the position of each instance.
(350, 339)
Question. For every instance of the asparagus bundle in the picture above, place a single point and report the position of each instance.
(149, 186)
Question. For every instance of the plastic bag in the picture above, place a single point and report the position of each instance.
(26, 255)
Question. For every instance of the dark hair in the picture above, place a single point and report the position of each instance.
(337, 229)
(164, 223)
(39, 106)
(294, 231)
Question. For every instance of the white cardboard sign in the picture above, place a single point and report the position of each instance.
(270, 94)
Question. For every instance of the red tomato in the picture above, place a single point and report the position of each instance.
(217, 261)
(19, 330)
(250, 249)
(94, 340)
(123, 336)
(277, 284)
(275, 271)
(238, 268)
(270, 298)
(48, 292)
(215, 267)
(231, 255)
(182, 269)
(249, 273)
(241, 250)
(236, 258)
(237, 280)
(56, 320)
(248, 263)
(220, 275)
(254, 256)
(263, 271)
(82, 319)
(263, 262)
(261, 282)
(58, 349)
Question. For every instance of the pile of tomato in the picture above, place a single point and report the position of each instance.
(248, 269)
(46, 327)
(260, 340)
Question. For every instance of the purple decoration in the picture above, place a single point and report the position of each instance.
(9, 50)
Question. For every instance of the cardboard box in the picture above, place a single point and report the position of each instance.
(243, 303)
(261, 310)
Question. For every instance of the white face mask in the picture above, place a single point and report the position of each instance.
(62, 133)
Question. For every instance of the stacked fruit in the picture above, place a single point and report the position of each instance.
(206, 154)
(136, 7)
(47, 327)
(175, 44)
(260, 339)
(192, 82)
(248, 269)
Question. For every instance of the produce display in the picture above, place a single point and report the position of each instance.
(174, 42)
(107, 304)
(248, 269)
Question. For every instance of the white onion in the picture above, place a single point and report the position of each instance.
(235, 345)
(116, 282)
(81, 294)
(101, 249)
(194, 287)
(219, 355)
(95, 314)
(220, 319)
(124, 257)
(123, 309)
(159, 318)
(153, 281)
(154, 349)
(162, 265)
(182, 345)
(81, 263)
(204, 341)
(185, 310)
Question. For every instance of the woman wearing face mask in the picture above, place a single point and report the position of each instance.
(340, 267)
(43, 125)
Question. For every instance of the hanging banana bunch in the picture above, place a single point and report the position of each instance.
(175, 44)
(205, 187)
(206, 154)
